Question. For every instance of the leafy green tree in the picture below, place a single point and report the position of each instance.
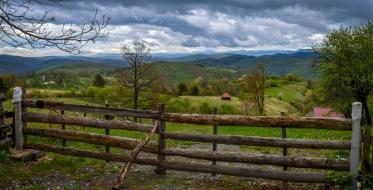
(345, 63)
(194, 91)
(254, 86)
(182, 89)
(99, 81)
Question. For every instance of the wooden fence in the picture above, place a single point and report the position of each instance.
(160, 148)
(5, 130)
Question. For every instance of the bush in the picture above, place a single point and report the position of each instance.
(271, 83)
(205, 108)
(292, 77)
(180, 105)
(228, 109)
(280, 95)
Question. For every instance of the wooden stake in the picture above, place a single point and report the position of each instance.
(63, 127)
(161, 141)
(214, 144)
(283, 134)
(17, 106)
(107, 131)
(134, 154)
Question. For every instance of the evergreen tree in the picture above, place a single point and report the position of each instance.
(182, 89)
(194, 91)
(99, 81)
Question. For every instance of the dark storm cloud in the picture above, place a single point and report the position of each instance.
(171, 25)
(335, 10)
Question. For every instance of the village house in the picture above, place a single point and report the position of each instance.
(225, 96)
(325, 112)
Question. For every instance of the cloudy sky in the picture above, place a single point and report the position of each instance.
(219, 25)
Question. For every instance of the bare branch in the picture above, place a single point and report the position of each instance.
(19, 28)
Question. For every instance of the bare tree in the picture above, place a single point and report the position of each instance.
(20, 28)
(255, 85)
(137, 76)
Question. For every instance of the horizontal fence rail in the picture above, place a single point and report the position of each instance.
(203, 119)
(181, 166)
(129, 143)
(90, 109)
(92, 138)
(259, 121)
(85, 122)
(236, 140)
(261, 141)
(262, 159)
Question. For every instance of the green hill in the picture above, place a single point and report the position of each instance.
(279, 64)
(176, 71)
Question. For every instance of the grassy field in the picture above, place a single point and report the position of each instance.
(289, 91)
(272, 105)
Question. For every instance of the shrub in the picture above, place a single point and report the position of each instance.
(280, 95)
(292, 77)
(205, 108)
(228, 109)
(181, 105)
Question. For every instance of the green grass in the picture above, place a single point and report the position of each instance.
(272, 106)
(187, 71)
(289, 90)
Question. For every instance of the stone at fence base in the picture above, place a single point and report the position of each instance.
(26, 155)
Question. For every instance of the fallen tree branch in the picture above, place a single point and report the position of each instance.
(134, 154)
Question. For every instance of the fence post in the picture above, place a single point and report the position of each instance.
(17, 106)
(2, 118)
(215, 132)
(107, 131)
(161, 141)
(283, 134)
(63, 127)
(355, 142)
(2, 109)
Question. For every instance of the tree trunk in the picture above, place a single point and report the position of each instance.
(366, 140)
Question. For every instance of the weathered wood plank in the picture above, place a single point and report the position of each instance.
(91, 109)
(2, 110)
(356, 141)
(259, 121)
(92, 138)
(262, 159)
(18, 121)
(161, 142)
(87, 122)
(225, 170)
(262, 141)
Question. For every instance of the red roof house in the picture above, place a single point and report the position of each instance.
(326, 112)
(225, 96)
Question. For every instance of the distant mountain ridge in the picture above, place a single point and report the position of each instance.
(21, 65)
(298, 62)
